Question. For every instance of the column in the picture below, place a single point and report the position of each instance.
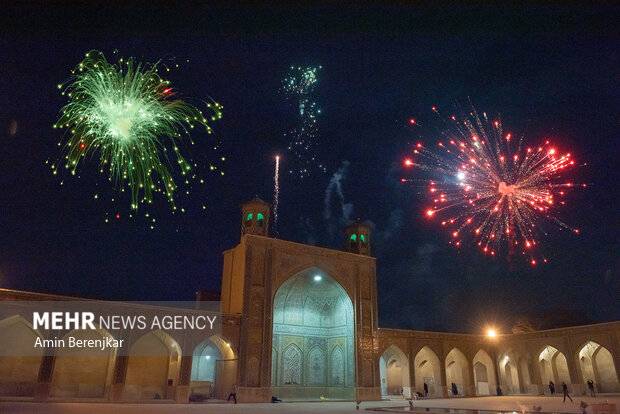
(442, 389)
(43, 386)
(118, 379)
(412, 384)
(182, 390)
(535, 377)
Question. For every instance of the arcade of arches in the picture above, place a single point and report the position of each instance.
(519, 362)
(152, 369)
(301, 322)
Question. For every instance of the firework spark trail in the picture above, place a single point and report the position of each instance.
(298, 87)
(276, 194)
(489, 191)
(124, 112)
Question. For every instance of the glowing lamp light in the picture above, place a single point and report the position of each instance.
(317, 278)
(408, 162)
(491, 333)
(208, 357)
(460, 175)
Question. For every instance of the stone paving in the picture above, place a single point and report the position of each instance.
(507, 403)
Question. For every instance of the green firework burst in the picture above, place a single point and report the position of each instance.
(125, 115)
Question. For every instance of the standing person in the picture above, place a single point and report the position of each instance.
(425, 389)
(552, 388)
(591, 387)
(565, 389)
(233, 393)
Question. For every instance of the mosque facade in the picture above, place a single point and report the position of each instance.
(300, 322)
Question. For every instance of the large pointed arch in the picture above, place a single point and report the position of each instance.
(394, 372)
(553, 366)
(83, 372)
(427, 369)
(313, 314)
(213, 366)
(484, 373)
(21, 360)
(597, 365)
(457, 371)
(153, 367)
(511, 375)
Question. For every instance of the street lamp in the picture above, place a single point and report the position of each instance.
(492, 335)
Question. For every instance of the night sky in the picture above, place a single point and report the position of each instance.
(549, 70)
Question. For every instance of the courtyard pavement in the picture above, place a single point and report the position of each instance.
(506, 403)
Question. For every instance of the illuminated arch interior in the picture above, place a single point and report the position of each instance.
(394, 372)
(427, 370)
(597, 365)
(484, 374)
(312, 338)
(553, 366)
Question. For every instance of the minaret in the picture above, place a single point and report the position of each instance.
(255, 216)
(357, 238)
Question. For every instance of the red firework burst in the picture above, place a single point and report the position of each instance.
(490, 189)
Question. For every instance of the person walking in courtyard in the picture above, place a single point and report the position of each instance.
(591, 388)
(565, 389)
(552, 388)
(233, 393)
(425, 389)
(455, 390)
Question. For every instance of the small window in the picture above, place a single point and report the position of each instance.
(249, 217)
(260, 219)
(248, 220)
(353, 241)
(363, 239)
